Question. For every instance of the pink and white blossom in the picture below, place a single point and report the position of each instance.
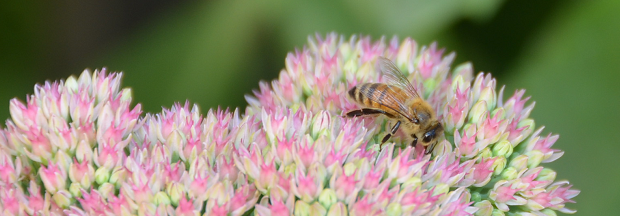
(79, 147)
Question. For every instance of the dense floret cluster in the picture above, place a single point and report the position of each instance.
(80, 147)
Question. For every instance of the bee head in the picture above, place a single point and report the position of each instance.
(429, 137)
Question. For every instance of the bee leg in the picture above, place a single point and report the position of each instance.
(415, 141)
(365, 111)
(392, 132)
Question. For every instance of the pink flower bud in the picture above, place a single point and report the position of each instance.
(54, 177)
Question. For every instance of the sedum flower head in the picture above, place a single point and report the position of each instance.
(79, 147)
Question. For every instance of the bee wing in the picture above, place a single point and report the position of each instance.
(396, 78)
(389, 99)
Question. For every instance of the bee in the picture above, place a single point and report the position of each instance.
(400, 102)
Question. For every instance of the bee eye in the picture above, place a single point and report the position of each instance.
(428, 136)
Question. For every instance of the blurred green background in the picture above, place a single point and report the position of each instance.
(565, 53)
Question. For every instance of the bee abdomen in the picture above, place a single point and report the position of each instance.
(366, 93)
(353, 92)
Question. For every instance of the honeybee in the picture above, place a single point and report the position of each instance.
(399, 101)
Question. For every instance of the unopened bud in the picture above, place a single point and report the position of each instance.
(337, 209)
(484, 208)
(394, 209)
(320, 124)
(502, 148)
(498, 165)
(102, 175)
(519, 162)
(478, 112)
(62, 198)
(327, 198)
(497, 212)
(546, 174)
(161, 198)
(535, 157)
(509, 173)
(488, 94)
(441, 188)
(302, 208)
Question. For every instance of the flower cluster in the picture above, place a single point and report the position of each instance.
(79, 147)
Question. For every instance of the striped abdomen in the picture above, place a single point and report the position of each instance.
(378, 95)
